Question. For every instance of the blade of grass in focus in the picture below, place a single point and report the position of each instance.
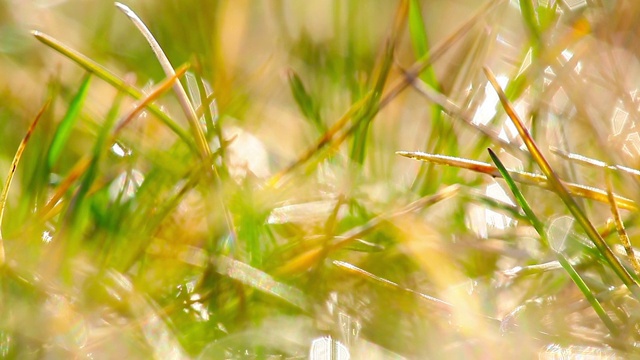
(540, 229)
(537, 224)
(561, 190)
(519, 176)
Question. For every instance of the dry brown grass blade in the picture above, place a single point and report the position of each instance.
(520, 176)
(622, 233)
(12, 172)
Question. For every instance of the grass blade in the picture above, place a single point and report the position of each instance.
(561, 190)
(66, 125)
(519, 176)
(624, 238)
(12, 172)
(196, 129)
(537, 224)
(575, 277)
(114, 81)
(303, 99)
(441, 129)
(544, 238)
(260, 280)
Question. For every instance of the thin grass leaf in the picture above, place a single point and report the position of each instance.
(593, 162)
(261, 281)
(12, 172)
(394, 90)
(85, 162)
(624, 238)
(63, 131)
(531, 21)
(561, 190)
(520, 176)
(537, 224)
(196, 129)
(187, 107)
(575, 277)
(552, 241)
(436, 303)
(113, 80)
(440, 139)
(371, 108)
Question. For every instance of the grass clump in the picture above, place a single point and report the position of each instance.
(251, 203)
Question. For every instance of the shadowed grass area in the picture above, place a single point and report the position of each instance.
(221, 179)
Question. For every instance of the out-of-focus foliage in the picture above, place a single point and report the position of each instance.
(279, 222)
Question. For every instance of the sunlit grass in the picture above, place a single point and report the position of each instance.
(221, 180)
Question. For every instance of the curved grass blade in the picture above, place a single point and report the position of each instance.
(519, 176)
(561, 190)
(12, 172)
(114, 81)
(196, 129)
(303, 99)
(66, 125)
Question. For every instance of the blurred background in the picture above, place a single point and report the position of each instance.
(253, 267)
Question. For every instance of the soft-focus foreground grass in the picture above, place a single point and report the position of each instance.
(268, 215)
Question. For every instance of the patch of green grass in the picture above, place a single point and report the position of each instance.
(220, 180)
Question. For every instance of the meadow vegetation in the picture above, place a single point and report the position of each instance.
(359, 179)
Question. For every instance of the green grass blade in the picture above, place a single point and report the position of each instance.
(66, 125)
(540, 229)
(557, 245)
(537, 224)
(260, 280)
(363, 120)
(561, 190)
(439, 139)
(114, 81)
